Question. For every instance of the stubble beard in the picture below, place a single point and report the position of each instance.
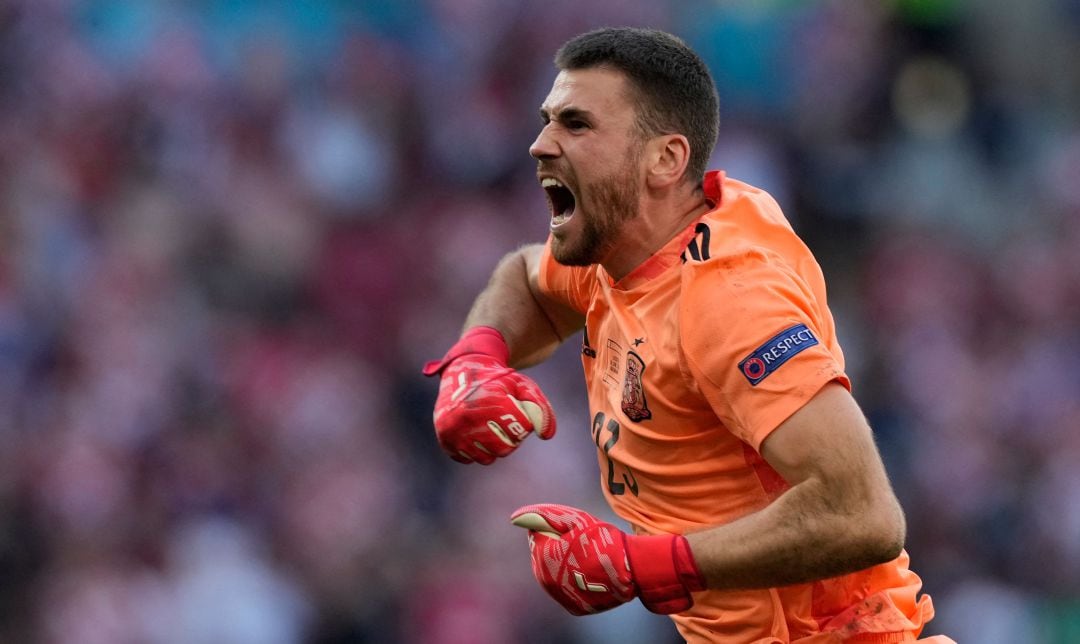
(614, 202)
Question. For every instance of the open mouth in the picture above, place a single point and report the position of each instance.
(561, 200)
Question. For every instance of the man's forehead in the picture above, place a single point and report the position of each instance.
(595, 89)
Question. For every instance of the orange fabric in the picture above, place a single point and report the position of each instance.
(678, 422)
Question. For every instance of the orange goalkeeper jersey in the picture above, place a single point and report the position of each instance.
(690, 361)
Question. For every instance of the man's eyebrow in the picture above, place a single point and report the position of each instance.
(565, 114)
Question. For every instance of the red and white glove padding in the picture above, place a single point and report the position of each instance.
(485, 408)
(590, 566)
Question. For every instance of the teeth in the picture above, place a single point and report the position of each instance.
(550, 182)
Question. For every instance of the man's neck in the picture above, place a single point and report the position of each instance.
(657, 224)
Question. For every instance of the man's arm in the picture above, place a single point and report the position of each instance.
(840, 514)
(532, 324)
(485, 407)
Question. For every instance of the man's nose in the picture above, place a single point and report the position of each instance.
(545, 146)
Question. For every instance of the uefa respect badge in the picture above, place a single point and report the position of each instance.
(779, 349)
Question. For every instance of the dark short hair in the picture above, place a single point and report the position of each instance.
(674, 89)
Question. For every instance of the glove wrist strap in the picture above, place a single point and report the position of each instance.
(665, 572)
(484, 340)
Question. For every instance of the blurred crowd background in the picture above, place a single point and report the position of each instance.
(231, 231)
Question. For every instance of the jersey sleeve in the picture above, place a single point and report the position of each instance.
(570, 285)
(755, 341)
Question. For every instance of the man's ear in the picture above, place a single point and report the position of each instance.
(667, 157)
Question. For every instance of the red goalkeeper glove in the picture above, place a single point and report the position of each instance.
(485, 408)
(590, 566)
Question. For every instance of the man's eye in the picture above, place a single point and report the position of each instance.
(576, 125)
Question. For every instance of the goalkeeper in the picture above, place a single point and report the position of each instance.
(757, 505)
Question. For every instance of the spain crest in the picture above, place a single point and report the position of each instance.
(634, 404)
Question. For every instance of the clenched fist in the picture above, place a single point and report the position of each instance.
(485, 408)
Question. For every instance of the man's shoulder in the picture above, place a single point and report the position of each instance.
(722, 239)
(745, 225)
